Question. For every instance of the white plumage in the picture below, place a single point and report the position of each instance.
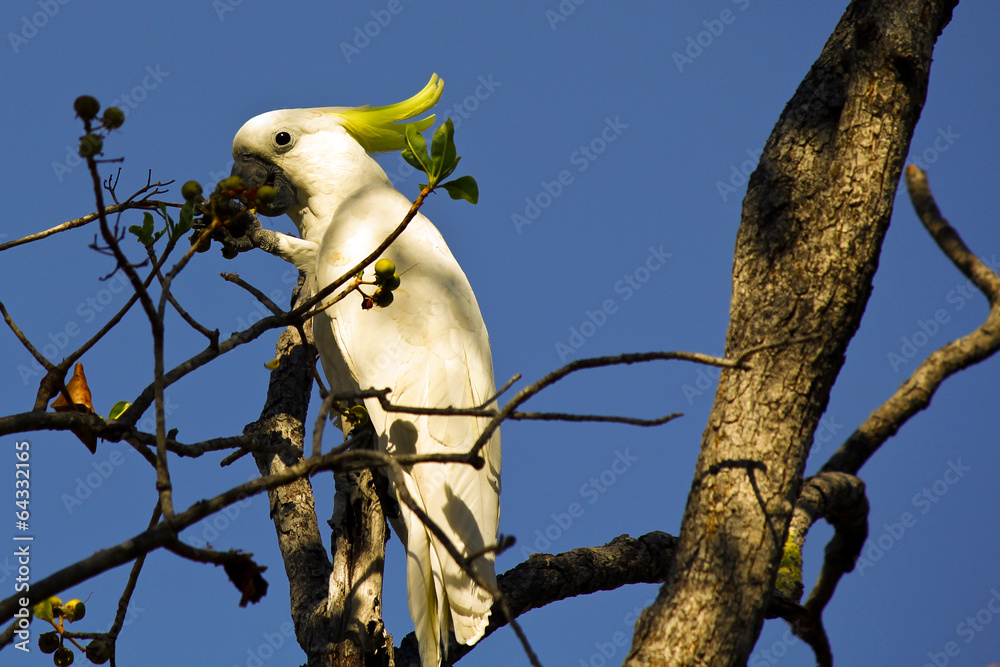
(430, 346)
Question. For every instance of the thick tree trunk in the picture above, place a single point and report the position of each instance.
(359, 537)
(336, 606)
(293, 509)
(815, 213)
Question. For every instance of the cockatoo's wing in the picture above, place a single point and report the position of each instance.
(430, 347)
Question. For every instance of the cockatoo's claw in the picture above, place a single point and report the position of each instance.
(242, 232)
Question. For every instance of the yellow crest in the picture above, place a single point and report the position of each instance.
(380, 129)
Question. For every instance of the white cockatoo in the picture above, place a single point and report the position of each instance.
(429, 346)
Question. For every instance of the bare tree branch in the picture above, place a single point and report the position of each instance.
(544, 579)
(815, 214)
(916, 392)
(142, 204)
(840, 499)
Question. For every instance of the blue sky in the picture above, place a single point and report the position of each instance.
(611, 174)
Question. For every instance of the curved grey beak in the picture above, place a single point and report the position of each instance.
(256, 172)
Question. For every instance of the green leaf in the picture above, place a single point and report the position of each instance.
(43, 609)
(185, 220)
(463, 187)
(170, 222)
(118, 409)
(138, 231)
(443, 150)
(144, 233)
(412, 160)
(417, 148)
(447, 172)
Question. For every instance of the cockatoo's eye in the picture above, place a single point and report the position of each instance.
(283, 140)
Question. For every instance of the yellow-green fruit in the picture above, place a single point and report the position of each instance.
(97, 652)
(90, 145)
(190, 190)
(358, 414)
(57, 607)
(113, 118)
(44, 610)
(231, 183)
(48, 642)
(266, 194)
(382, 297)
(86, 107)
(205, 244)
(74, 610)
(384, 268)
(63, 657)
(391, 283)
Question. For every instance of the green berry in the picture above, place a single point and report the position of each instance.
(74, 610)
(97, 652)
(63, 657)
(382, 297)
(384, 268)
(48, 642)
(191, 190)
(231, 183)
(205, 244)
(46, 609)
(357, 415)
(86, 107)
(229, 253)
(391, 283)
(90, 145)
(113, 118)
(266, 194)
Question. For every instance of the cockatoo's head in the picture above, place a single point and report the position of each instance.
(314, 158)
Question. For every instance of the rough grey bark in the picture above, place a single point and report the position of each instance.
(815, 213)
(545, 578)
(293, 509)
(359, 537)
(336, 607)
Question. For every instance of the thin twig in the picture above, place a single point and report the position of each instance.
(612, 419)
(156, 322)
(403, 495)
(303, 310)
(145, 204)
(260, 296)
(133, 577)
(163, 532)
(916, 392)
(212, 336)
(39, 357)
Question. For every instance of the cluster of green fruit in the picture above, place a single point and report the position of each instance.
(55, 612)
(86, 108)
(387, 280)
(228, 189)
